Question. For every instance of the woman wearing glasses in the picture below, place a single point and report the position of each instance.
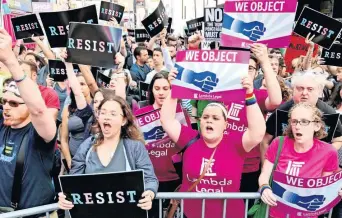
(118, 147)
(301, 145)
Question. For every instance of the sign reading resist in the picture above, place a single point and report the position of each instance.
(143, 90)
(102, 80)
(109, 10)
(93, 49)
(324, 29)
(108, 195)
(156, 21)
(213, 18)
(194, 25)
(130, 32)
(56, 24)
(333, 56)
(26, 26)
(57, 70)
(141, 35)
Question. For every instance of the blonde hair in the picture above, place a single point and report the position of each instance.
(317, 117)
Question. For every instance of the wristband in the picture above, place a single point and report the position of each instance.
(20, 80)
(250, 99)
(262, 189)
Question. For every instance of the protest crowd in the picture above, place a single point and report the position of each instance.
(238, 114)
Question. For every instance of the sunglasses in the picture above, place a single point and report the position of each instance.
(10, 102)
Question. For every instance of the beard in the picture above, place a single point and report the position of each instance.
(16, 120)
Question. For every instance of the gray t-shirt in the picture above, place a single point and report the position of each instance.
(117, 164)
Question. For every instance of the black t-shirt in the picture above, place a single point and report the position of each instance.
(37, 187)
(322, 106)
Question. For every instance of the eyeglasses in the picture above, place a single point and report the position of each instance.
(10, 102)
(111, 114)
(302, 122)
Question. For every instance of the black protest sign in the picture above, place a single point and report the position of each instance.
(57, 70)
(156, 21)
(333, 57)
(143, 91)
(330, 121)
(130, 32)
(103, 80)
(105, 195)
(109, 10)
(56, 24)
(26, 26)
(213, 18)
(96, 71)
(324, 29)
(337, 12)
(195, 25)
(141, 35)
(169, 24)
(98, 49)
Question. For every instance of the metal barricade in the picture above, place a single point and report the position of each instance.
(160, 196)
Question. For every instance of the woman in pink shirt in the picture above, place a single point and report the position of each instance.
(168, 179)
(302, 146)
(227, 152)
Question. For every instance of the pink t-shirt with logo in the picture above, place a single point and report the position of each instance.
(223, 175)
(322, 157)
(162, 151)
(237, 122)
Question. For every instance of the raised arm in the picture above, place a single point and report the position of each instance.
(309, 55)
(168, 114)
(41, 119)
(166, 54)
(256, 123)
(273, 88)
(46, 50)
(76, 87)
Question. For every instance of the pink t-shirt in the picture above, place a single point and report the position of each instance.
(223, 175)
(161, 152)
(237, 122)
(322, 157)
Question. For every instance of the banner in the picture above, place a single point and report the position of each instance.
(130, 32)
(105, 195)
(20, 5)
(109, 10)
(57, 70)
(213, 18)
(156, 21)
(141, 35)
(322, 28)
(306, 197)
(297, 48)
(264, 21)
(93, 49)
(333, 56)
(143, 91)
(195, 25)
(26, 26)
(330, 120)
(169, 25)
(209, 75)
(56, 24)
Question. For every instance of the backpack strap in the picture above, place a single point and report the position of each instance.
(18, 173)
(88, 154)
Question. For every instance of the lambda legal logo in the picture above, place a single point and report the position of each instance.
(293, 168)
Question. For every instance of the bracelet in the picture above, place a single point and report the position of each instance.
(20, 80)
(264, 188)
(250, 99)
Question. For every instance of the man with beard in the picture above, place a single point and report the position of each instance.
(27, 136)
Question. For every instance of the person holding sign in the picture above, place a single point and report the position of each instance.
(205, 161)
(117, 147)
(302, 155)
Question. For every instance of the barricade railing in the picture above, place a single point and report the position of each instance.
(160, 196)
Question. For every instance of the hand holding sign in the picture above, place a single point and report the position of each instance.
(155, 133)
(308, 40)
(247, 84)
(311, 203)
(253, 30)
